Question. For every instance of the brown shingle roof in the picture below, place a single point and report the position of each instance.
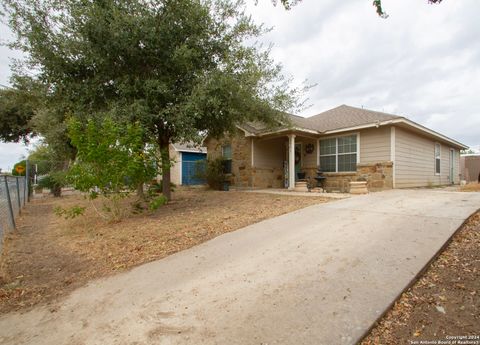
(340, 117)
(345, 116)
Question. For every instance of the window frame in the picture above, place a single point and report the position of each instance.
(337, 154)
(439, 158)
(223, 151)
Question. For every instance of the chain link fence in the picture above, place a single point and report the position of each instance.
(13, 197)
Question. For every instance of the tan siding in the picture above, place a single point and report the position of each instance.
(375, 145)
(415, 161)
(269, 153)
(309, 160)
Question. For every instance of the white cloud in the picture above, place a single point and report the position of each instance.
(422, 62)
(11, 153)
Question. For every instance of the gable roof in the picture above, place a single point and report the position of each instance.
(340, 119)
(189, 147)
(345, 116)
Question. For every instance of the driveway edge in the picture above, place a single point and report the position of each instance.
(414, 279)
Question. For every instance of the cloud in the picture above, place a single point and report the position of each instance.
(11, 153)
(422, 62)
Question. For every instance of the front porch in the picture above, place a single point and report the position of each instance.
(282, 160)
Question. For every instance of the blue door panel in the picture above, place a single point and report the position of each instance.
(192, 162)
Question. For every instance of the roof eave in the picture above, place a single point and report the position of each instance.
(288, 129)
(431, 132)
(397, 121)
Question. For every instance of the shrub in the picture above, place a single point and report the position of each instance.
(53, 181)
(214, 173)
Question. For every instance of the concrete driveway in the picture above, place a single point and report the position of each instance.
(320, 275)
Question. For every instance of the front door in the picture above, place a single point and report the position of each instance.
(298, 159)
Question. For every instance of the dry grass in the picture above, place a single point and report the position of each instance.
(471, 187)
(49, 256)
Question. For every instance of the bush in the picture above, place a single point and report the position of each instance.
(157, 187)
(53, 181)
(214, 173)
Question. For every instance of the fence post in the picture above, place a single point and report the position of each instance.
(9, 202)
(27, 182)
(19, 201)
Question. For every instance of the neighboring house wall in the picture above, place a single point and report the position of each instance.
(470, 166)
(176, 168)
(415, 161)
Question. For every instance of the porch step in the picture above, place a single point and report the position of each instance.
(301, 186)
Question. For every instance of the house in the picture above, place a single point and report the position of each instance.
(186, 158)
(470, 167)
(346, 143)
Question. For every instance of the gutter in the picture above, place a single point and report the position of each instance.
(401, 120)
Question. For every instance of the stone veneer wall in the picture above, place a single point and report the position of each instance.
(379, 176)
(243, 175)
(241, 157)
(268, 178)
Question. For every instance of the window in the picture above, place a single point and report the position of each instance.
(438, 155)
(339, 154)
(227, 159)
(227, 152)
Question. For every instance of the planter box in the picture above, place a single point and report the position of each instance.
(359, 187)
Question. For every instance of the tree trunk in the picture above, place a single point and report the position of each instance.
(165, 155)
(140, 193)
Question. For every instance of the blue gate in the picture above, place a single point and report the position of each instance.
(193, 165)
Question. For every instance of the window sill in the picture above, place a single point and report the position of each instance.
(340, 173)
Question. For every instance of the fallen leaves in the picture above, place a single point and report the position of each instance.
(55, 256)
(443, 301)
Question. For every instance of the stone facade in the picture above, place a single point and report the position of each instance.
(339, 182)
(379, 176)
(241, 157)
(243, 175)
(268, 178)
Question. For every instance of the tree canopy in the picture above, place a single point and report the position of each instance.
(17, 108)
(179, 67)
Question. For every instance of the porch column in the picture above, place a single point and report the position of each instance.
(291, 161)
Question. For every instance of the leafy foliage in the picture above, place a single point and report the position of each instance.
(17, 108)
(54, 181)
(214, 173)
(23, 164)
(155, 203)
(383, 14)
(178, 67)
(111, 157)
(69, 213)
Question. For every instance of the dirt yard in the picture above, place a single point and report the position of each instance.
(49, 256)
(444, 302)
(471, 187)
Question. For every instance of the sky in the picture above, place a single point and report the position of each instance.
(422, 62)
